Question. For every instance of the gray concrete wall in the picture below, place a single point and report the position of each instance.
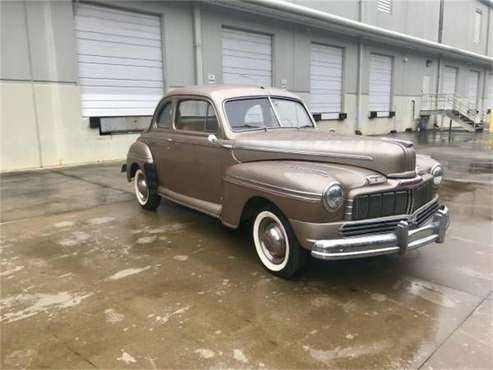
(416, 18)
(344, 8)
(458, 25)
(38, 41)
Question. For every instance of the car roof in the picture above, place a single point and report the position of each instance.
(221, 92)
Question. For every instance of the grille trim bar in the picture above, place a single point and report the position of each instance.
(384, 224)
(400, 201)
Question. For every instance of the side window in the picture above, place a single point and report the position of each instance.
(195, 115)
(165, 116)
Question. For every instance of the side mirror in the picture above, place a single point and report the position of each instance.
(213, 139)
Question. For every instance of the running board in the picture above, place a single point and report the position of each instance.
(212, 209)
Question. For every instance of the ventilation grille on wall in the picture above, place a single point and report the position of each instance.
(385, 6)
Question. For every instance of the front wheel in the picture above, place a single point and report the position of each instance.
(276, 245)
(147, 197)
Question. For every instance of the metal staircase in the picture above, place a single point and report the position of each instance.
(457, 109)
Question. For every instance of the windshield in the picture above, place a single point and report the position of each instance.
(260, 113)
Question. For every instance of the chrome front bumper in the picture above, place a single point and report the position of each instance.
(401, 240)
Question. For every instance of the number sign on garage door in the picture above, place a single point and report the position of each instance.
(247, 58)
(380, 84)
(326, 80)
(119, 54)
(472, 89)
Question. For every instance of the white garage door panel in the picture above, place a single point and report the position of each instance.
(448, 80)
(380, 84)
(101, 82)
(93, 70)
(489, 92)
(104, 91)
(472, 89)
(326, 80)
(262, 66)
(116, 112)
(118, 50)
(247, 58)
(120, 61)
(124, 40)
(98, 26)
(122, 19)
(126, 61)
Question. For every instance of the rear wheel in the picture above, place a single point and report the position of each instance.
(276, 245)
(147, 197)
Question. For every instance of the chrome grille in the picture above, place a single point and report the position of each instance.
(423, 215)
(422, 194)
(389, 224)
(381, 204)
(391, 203)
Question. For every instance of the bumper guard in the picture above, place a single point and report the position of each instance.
(401, 240)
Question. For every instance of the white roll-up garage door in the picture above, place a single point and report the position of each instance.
(449, 79)
(119, 54)
(380, 88)
(472, 89)
(447, 85)
(489, 92)
(247, 58)
(326, 80)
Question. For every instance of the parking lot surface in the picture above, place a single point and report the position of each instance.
(90, 280)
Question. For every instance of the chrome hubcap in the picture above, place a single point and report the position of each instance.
(141, 189)
(272, 240)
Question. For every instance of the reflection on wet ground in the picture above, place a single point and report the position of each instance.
(465, 155)
(91, 280)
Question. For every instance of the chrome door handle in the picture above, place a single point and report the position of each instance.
(169, 140)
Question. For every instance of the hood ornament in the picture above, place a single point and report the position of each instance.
(375, 179)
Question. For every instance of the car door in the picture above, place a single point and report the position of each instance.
(196, 163)
(159, 140)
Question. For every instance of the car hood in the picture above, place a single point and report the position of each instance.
(387, 156)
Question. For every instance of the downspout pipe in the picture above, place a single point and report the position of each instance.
(197, 44)
(359, 73)
(486, 70)
(357, 128)
(365, 29)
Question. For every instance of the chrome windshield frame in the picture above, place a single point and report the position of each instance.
(276, 114)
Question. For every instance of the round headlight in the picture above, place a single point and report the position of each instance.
(333, 197)
(437, 172)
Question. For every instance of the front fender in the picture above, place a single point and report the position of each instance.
(424, 164)
(296, 188)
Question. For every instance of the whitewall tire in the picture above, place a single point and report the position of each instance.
(276, 244)
(146, 196)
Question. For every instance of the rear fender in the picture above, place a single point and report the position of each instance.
(140, 155)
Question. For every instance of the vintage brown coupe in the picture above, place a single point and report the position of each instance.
(246, 154)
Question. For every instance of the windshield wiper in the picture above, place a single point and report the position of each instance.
(304, 126)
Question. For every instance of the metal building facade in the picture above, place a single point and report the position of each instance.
(63, 63)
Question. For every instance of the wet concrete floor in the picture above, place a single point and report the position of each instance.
(90, 280)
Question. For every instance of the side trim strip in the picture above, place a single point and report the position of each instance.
(212, 209)
(303, 152)
(273, 189)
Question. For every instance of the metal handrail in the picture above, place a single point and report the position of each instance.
(448, 102)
